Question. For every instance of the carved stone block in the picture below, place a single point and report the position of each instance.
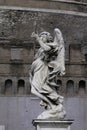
(52, 124)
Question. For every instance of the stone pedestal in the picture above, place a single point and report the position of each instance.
(2, 127)
(52, 124)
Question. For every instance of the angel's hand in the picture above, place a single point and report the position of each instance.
(54, 72)
(34, 35)
(62, 73)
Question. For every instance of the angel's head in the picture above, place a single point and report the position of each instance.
(46, 37)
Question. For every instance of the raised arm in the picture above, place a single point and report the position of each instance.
(44, 46)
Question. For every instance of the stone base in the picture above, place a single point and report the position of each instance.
(52, 124)
(2, 127)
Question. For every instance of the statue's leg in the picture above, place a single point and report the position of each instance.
(41, 96)
(55, 97)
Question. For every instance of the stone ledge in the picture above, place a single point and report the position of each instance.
(67, 1)
(52, 124)
(37, 121)
(56, 11)
(51, 4)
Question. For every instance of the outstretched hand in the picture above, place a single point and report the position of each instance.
(34, 35)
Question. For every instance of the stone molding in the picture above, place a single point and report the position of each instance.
(52, 124)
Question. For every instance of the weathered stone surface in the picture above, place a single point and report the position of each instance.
(20, 24)
(73, 5)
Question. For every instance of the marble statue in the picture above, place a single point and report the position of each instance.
(49, 63)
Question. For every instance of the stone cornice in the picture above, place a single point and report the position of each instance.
(43, 10)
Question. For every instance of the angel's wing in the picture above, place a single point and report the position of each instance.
(58, 39)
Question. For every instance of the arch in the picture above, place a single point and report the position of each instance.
(82, 87)
(8, 87)
(70, 88)
(21, 87)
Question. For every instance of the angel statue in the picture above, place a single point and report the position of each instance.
(47, 65)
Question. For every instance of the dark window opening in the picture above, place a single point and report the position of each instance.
(70, 88)
(8, 87)
(21, 87)
(82, 87)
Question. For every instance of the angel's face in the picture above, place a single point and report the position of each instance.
(50, 38)
(44, 38)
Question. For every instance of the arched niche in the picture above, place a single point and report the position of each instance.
(8, 87)
(21, 87)
(70, 88)
(82, 87)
